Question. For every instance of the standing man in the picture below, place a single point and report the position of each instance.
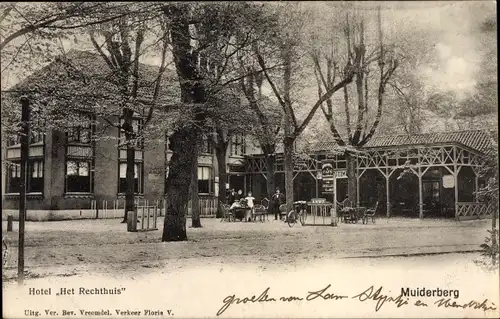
(232, 197)
(276, 201)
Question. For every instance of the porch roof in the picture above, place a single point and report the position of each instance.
(478, 140)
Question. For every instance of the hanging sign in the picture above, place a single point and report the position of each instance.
(327, 170)
(448, 181)
(340, 174)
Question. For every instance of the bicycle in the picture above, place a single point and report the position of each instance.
(298, 213)
(5, 250)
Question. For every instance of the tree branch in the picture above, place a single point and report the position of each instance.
(325, 96)
(262, 65)
(158, 80)
(101, 52)
(5, 13)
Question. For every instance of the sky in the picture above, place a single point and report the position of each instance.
(451, 28)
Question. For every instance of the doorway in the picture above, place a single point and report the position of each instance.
(431, 197)
(237, 182)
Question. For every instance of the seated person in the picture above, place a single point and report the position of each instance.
(238, 204)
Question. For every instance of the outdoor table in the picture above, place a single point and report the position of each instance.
(320, 213)
(242, 213)
(354, 213)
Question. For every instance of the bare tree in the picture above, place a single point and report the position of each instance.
(123, 61)
(374, 68)
(202, 38)
(268, 121)
(288, 44)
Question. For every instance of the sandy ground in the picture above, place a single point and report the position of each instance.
(193, 278)
(103, 246)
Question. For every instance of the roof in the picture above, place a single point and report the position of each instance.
(85, 70)
(478, 140)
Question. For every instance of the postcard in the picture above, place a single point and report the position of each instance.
(249, 159)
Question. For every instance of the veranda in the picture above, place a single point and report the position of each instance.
(426, 175)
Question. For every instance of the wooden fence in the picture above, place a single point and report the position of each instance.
(473, 210)
(207, 207)
(109, 209)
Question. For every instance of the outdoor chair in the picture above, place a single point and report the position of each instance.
(370, 213)
(344, 210)
(283, 211)
(265, 203)
(260, 212)
(227, 214)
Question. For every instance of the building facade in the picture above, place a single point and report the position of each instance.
(67, 170)
(70, 170)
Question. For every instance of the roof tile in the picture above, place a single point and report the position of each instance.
(478, 140)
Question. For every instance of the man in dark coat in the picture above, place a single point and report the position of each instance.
(231, 197)
(276, 200)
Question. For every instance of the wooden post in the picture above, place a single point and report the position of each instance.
(357, 188)
(335, 192)
(155, 216)
(455, 176)
(317, 186)
(10, 220)
(132, 221)
(142, 217)
(420, 195)
(25, 133)
(388, 192)
(476, 186)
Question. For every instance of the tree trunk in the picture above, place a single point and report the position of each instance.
(494, 243)
(183, 142)
(220, 153)
(290, 126)
(288, 148)
(183, 145)
(195, 198)
(130, 171)
(269, 154)
(351, 178)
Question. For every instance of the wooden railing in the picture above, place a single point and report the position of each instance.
(208, 207)
(115, 208)
(472, 210)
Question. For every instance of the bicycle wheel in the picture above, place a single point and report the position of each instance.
(302, 218)
(5, 251)
(291, 218)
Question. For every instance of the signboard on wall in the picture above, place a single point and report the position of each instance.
(448, 181)
(341, 174)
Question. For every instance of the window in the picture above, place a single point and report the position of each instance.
(35, 184)
(167, 142)
(238, 145)
(78, 176)
(35, 177)
(13, 178)
(82, 132)
(137, 126)
(79, 134)
(206, 145)
(36, 137)
(38, 125)
(138, 181)
(205, 185)
(13, 139)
